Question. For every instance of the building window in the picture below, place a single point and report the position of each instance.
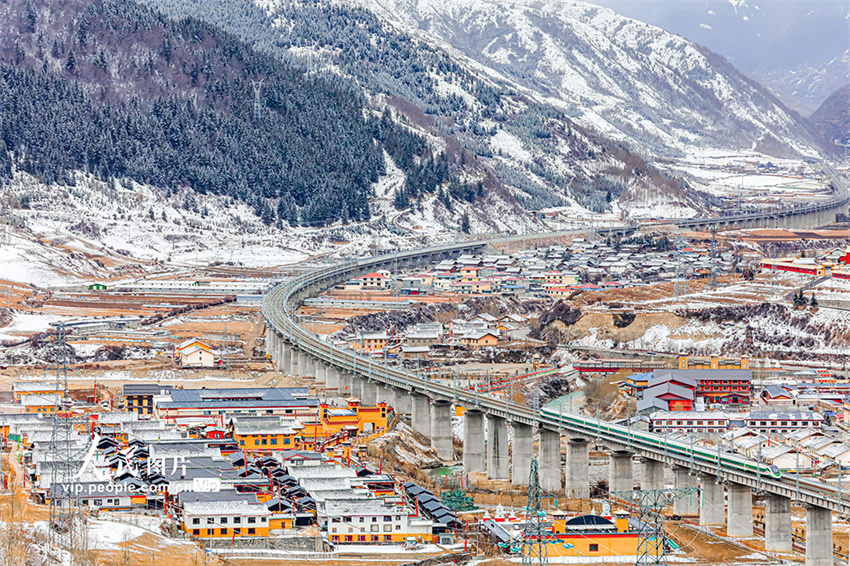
(593, 548)
(252, 520)
(224, 531)
(387, 528)
(237, 520)
(274, 440)
(224, 520)
(252, 531)
(196, 521)
(196, 532)
(210, 520)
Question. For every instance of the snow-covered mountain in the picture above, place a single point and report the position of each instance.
(511, 150)
(799, 47)
(627, 79)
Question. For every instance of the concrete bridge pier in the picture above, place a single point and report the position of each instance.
(402, 401)
(620, 471)
(331, 377)
(473, 441)
(303, 360)
(653, 474)
(420, 414)
(777, 523)
(818, 536)
(497, 447)
(576, 474)
(685, 504)
(712, 508)
(369, 393)
(293, 362)
(276, 348)
(550, 460)
(286, 351)
(345, 379)
(356, 389)
(441, 429)
(386, 394)
(739, 518)
(522, 453)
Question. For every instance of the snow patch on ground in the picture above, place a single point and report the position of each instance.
(25, 324)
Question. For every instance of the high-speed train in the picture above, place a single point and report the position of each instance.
(629, 436)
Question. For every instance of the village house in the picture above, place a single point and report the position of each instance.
(374, 282)
(254, 433)
(196, 356)
(764, 421)
(225, 519)
(138, 397)
(21, 389)
(479, 339)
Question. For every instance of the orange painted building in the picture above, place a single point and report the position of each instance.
(265, 434)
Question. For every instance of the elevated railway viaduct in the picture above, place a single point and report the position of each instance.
(727, 482)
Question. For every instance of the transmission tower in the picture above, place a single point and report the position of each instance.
(66, 453)
(712, 282)
(651, 534)
(536, 535)
(258, 105)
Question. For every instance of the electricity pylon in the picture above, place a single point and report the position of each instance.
(536, 535)
(651, 535)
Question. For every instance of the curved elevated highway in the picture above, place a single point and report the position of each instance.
(299, 352)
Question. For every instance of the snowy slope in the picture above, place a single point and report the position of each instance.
(56, 235)
(628, 79)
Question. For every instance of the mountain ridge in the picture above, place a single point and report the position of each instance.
(583, 45)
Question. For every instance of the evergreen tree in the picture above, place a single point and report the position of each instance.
(71, 62)
(400, 200)
(464, 223)
(814, 301)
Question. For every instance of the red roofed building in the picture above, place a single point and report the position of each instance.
(374, 281)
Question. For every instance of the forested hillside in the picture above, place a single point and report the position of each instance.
(114, 88)
(499, 140)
